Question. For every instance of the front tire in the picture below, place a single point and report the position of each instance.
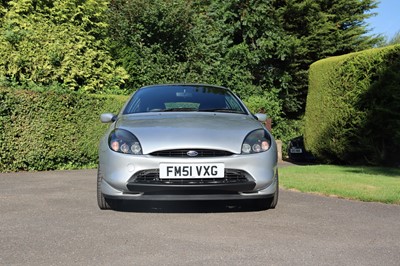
(274, 200)
(101, 200)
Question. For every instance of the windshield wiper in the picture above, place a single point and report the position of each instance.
(222, 110)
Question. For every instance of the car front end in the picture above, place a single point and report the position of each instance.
(190, 155)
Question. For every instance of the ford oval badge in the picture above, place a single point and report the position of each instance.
(192, 153)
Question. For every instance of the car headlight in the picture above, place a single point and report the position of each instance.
(256, 141)
(124, 141)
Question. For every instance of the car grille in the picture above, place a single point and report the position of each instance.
(152, 177)
(184, 153)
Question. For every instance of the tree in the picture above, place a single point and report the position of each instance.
(230, 43)
(245, 50)
(254, 46)
(150, 39)
(322, 28)
(58, 42)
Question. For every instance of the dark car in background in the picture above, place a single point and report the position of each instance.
(297, 151)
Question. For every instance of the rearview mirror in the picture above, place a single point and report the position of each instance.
(108, 118)
(184, 94)
(261, 117)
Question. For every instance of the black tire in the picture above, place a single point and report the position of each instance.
(274, 200)
(101, 200)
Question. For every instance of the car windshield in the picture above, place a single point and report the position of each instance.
(184, 98)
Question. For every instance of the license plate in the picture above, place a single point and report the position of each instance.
(199, 170)
(296, 150)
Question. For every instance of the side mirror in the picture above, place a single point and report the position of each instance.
(108, 118)
(261, 117)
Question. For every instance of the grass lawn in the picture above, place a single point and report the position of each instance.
(351, 182)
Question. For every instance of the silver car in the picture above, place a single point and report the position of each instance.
(186, 142)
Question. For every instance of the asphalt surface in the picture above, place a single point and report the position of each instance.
(52, 218)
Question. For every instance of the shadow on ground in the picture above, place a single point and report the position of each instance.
(189, 206)
(288, 162)
(370, 170)
(355, 169)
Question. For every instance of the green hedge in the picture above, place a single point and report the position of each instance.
(49, 130)
(353, 108)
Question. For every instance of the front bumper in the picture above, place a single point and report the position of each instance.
(119, 178)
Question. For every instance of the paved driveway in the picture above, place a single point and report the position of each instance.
(51, 218)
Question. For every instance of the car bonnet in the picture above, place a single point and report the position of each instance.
(168, 131)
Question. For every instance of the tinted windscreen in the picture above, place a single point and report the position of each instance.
(184, 98)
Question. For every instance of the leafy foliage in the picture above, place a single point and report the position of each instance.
(321, 29)
(250, 46)
(269, 103)
(44, 131)
(230, 43)
(149, 39)
(259, 49)
(58, 42)
(353, 108)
